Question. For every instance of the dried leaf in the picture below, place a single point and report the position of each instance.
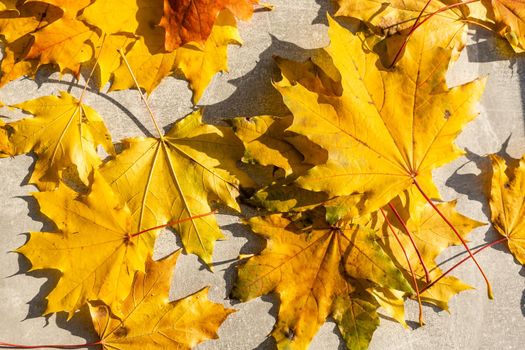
(150, 321)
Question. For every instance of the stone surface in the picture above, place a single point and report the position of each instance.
(290, 30)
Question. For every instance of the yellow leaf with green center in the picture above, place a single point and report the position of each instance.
(63, 133)
(309, 268)
(93, 248)
(177, 176)
(150, 321)
(387, 128)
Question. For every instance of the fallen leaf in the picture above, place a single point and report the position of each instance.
(150, 63)
(115, 16)
(431, 235)
(151, 321)
(309, 269)
(63, 133)
(510, 16)
(178, 176)
(357, 320)
(388, 128)
(188, 21)
(93, 249)
(507, 204)
(265, 143)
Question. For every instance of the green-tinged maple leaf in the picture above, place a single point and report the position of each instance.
(150, 321)
(178, 176)
(63, 133)
(507, 207)
(93, 249)
(357, 319)
(388, 128)
(309, 269)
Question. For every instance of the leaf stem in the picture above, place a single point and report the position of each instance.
(462, 261)
(49, 346)
(418, 24)
(150, 111)
(407, 231)
(489, 287)
(173, 222)
(414, 280)
(92, 70)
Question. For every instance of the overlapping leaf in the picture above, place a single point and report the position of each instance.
(69, 34)
(94, 248)
(431, 236)
(150, 321)
(185, 21)
(178, 176)
(63, 133)
(506, 17)
(507, 200)
(388, 128)
(309, 269)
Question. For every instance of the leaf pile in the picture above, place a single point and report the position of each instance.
(71, 34)
(343, 184)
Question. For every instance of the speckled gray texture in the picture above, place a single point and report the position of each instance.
(293, 27)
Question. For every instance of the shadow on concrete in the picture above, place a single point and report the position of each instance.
(326, 7)
(254, 94)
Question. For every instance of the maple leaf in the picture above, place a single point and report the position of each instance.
(388, 128)
(266, 143)
(8, 5)
(192, 20)
(510, 15)
(507, 204)
(150, 321)
(177, 176)
(357, 319)
(431, 236)
(63, 133)
(150, 63)
(94, 248)
(308, 269)
(445, 29)
(123, 13)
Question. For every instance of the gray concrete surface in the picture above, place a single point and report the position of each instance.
(474, 321)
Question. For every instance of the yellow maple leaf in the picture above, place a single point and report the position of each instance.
(308, 269)
(431, 236)
(388, 129)
(266, 143)
(63, 133)
(178, 176)
(507, 204)
(63, 42)
(198, 63)
(123, 14)
(510, 17)
(8, 5)
(149, 321)
(94, 247)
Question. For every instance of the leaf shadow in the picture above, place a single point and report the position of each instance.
(254, 94)
(94, 90)
(325, 7)
(80, 325)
